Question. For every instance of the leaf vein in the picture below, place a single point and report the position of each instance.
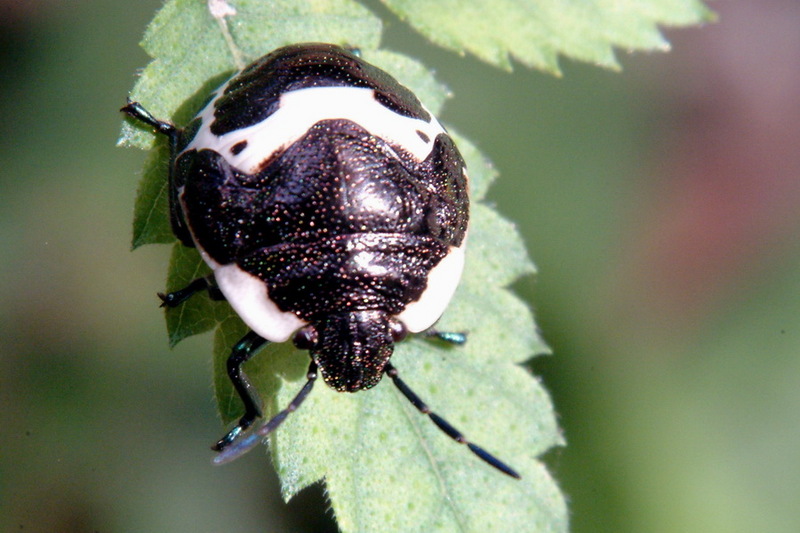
(412, 417)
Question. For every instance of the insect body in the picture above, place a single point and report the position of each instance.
(332, 208)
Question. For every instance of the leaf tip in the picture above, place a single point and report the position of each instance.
(708, 15)
(174, 339)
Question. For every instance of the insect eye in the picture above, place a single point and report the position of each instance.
(398, 330)
(305, 338)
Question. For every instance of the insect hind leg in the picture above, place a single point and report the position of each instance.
(240, 354)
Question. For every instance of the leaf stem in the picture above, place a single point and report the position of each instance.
(220, 9)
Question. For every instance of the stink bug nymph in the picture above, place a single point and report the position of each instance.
(332, 208)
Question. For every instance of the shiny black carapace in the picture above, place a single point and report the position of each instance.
(332, 208)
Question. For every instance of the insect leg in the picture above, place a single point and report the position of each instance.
(138, 112)
(445, 426)
(451, 337)
(237, 449)
(175, 298)
(241, 353)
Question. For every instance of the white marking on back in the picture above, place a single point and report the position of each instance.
(300, 110)
(248, 296)
(442, 282)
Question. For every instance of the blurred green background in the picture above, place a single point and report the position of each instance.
(660, 205)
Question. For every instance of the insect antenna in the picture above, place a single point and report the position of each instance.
(238, 448)
(445, 426)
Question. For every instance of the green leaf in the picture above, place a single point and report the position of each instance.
(386, 466)
(151, 223)
(536, 32)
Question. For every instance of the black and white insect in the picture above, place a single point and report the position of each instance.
(332, 208)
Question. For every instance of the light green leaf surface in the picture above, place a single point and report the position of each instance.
(151, 211)
(386, 467)
(537, 32)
